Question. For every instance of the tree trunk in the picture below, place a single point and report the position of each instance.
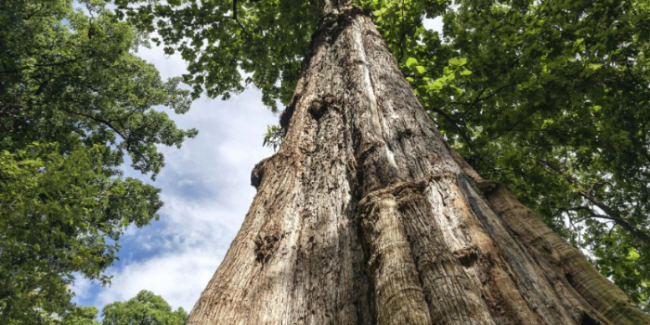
(366, 216)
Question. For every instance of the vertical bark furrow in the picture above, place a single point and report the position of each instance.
(453, 298)
(533, 286)
(331, 279)
(399, 296)
(476, 252)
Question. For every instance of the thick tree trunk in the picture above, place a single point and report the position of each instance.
(365, 216)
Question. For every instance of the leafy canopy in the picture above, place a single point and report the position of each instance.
(74, 100)
(232, 43)
(80, 316)
(145, 309)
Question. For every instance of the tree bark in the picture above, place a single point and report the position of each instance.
(366, 216)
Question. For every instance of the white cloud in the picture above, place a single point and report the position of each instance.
(179, 277)
(435, 24)
(168, 65)
(81, 287)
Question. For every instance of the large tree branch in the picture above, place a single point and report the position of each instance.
(611, 214)
(234, 17)
(102, 121)
(42, 65)
(455, 124)
(478, 98)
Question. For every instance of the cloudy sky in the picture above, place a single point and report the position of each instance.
(206, 189)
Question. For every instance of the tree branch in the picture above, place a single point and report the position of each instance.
(617, 218)
(234, 17)
(612, 214)
(455, 124)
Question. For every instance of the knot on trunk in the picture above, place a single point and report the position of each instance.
(320, 106)
(588, 319)
(333, 22)
(265, 246)
(488, 187)
(467, 256)
(258, 173)
(287, 113)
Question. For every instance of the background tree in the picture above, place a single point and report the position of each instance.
(145, 308)
(74, 100)
(80, 316)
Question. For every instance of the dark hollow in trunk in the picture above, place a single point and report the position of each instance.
(366, 216)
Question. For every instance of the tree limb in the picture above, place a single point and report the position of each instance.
(455, 124)
(617, 218)
(611, 214)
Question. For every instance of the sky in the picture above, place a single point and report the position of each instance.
(206, 190)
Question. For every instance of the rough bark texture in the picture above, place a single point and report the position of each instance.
(365, 216)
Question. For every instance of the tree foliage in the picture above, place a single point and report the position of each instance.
(229, 44)
(80, 316)
(74, 100)
(144, 309)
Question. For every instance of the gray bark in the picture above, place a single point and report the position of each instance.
(366, 216)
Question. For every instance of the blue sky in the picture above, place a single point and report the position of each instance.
(206, 189)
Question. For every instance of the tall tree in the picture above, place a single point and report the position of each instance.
(79, 316)
(74, 101)
(145, 308)
(365, 215)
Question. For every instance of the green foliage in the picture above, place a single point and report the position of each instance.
(273, 136)
(57, 212)
(144, 309)
(73, 101)
(220, 39)
(81, 316)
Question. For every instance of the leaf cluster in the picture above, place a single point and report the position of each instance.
(146, 309)
(229, 44)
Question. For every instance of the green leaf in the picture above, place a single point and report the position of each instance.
(633, 255)
(145, 305)
(595, 66)
(411, 62)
